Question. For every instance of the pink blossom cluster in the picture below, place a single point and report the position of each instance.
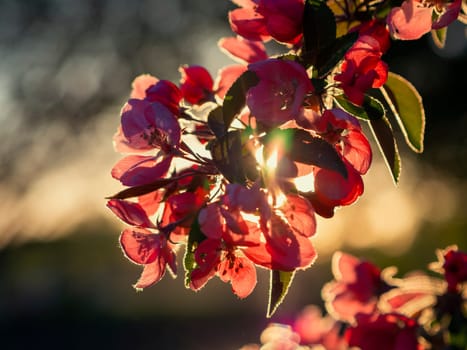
(371, 309)
(236, 167)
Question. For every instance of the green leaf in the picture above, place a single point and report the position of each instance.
(372, 108)
(216, 122)
(406, 104)
(316, 151)
(382, 131)
(235, 98)
(343, 103)
(280, 284)
(334, 53)
(319, 30)
(230, 157)
(302, 147)
(194, 238)
(287, 57)
(439, 36)
(374, 113)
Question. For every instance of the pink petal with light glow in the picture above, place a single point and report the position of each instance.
(131, 213)
(167, 93)
(279, 95)
(210, 221)
(247, 23)
(141, 84)
(140, 170)
(140, 245)
(243, 50)
(300, 215)
(410, 21)
(226, 77)
(152, 273)
(196, 84)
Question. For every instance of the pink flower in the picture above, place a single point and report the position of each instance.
(377, 30)
(140, 84)
(131, 213)
(453, 264)
(226, 77)
(278, 240)
(410, 21)
(356, 288)
(332, 190)
(279, 95)
(138, 129)
(150, 250)
(455, 268)
(181, 209)
(262, 19)
(415, 18)
(244, 50)
(383, 332)
(136, 170)
(329, 188)
(287, 235)
(246, 22)
(229, 235)
(221, 253)
(227, 263)
(345, 133)
(283, 19)
(196, 84)
(198, 87)
(147, 87)
(445, 12)
(122, 145)
(150, 202)
(166, 93)
(182, 206)
(412, 294)
(362, 69)
(148, 125)
(314, 329)
(280, 337)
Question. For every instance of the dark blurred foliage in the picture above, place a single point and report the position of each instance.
(440, 77)
(63, 62)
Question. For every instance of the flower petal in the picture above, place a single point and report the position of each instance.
(140, 170)
(152, 273)
(131, 213)
(141, 84)
(140, 245)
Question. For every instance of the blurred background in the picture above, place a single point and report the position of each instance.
(65, 71)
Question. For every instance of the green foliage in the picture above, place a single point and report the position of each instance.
(333, 53)
(382, 132)
(216, 122)
(231, 158)
(371, 108)
(406, 106)
(234, 100)
(194, 238)
(373, 111)
(302, 147)
(319, 30)
(439, 36)
(280, 283)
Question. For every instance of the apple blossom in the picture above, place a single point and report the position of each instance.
(217, 165)
(280, 94)
(415, 18)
